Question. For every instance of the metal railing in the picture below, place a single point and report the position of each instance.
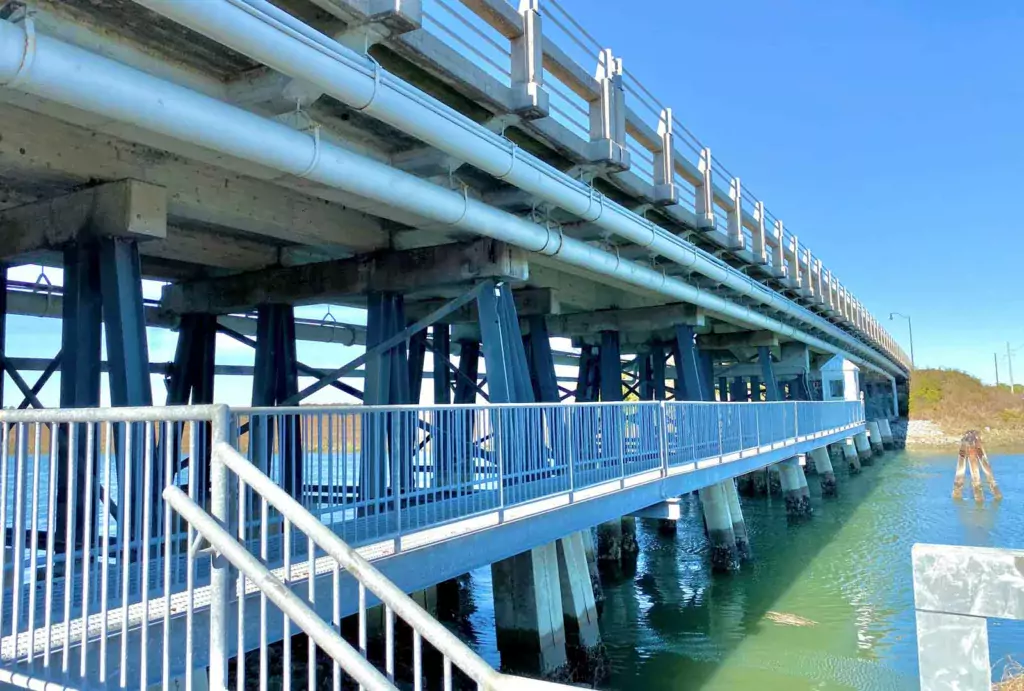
(374, 473)
(105, 580)
(318, 552)
(956, 591)
(88, 549)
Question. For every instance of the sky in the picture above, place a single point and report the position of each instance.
(885, 133)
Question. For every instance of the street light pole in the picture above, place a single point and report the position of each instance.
(910, 328)
(1009, 364)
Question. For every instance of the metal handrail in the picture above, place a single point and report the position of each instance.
(394, 599)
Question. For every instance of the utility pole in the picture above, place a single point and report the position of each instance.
(1009, 364)
(995, 361)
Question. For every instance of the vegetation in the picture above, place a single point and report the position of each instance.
(956, 401)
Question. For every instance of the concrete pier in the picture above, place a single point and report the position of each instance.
(888, 441)
(739, 525)
(609, 542)
(849, 448)
(579, 608)
(590, 550)
(630, 547)
(875, 437)
(794, 488)
(528, 611)
(863, 448)
(826, 475)
(715, 502)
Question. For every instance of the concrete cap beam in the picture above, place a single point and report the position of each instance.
(406, 271)
(636, 319)
(127, 208)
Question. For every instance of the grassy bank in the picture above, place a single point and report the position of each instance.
(957, 402)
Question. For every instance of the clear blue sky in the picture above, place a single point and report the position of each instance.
(888, 134)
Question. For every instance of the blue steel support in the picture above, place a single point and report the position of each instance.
(691, 385)
(417, 356)
(469, 370)
(723, 389)
(738, 389)
(442, 355)
(610, 367)
(707, 378)
(508, 378)
(587, 376)
(124, 322)
(81, 326)
(275, 380)
(658, 359)
(387, 383)
(755, 389)
(541, 361)
(771, 385)
(646, 375)
(191, 381)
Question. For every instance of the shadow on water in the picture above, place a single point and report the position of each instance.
(682, 618)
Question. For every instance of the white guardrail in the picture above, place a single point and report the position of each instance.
(956, 591)
(107, 514)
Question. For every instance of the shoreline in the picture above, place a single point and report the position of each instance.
(927, 435)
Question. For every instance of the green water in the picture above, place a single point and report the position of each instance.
(841, 580)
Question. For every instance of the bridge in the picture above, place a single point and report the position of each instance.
(609, 319)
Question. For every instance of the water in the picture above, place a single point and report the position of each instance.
(838, 588)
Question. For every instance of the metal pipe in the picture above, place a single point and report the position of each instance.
(267, 34)
(54, 70)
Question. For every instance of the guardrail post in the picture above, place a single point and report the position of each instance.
(704, 197)
(735, 215)
(663, 437)
(608, 115)
(665, 192)
(220, 571)
(529, 98)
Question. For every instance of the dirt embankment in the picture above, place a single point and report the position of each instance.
(946, 403)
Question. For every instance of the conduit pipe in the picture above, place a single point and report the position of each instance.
(51, 69)
(271, 36)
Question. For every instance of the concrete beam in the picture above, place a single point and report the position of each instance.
(44, 153)
(529, 302)
(729, 341)
(636, 319)
(128, 208)
(402, 272)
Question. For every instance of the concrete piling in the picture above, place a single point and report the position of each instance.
(863, 448)
(528, 611)
(875, 437)
(609, 541)
(888, 440)
(826, 475)
(630, 547)
(724, 556)
(849, 448)
(739, 525)
(590, 549)
(579, 608)
(794, 488)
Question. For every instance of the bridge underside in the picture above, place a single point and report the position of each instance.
(135, 149)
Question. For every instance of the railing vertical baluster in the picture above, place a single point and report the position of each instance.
(220, 572)
(663, 437)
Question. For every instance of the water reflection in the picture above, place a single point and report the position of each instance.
(825, 604)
